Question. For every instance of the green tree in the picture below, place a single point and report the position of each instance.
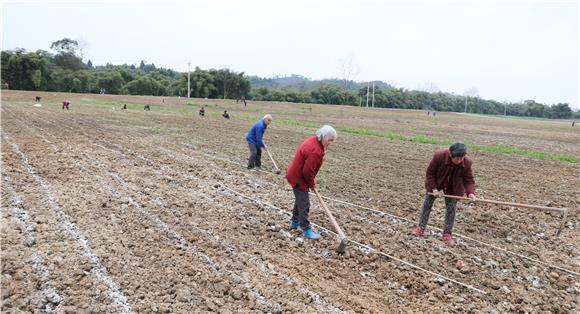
(229, 84)
(330, 94)
(65, 45)
(66, 54)
(110, 81)
(560, 111)
(25, 71)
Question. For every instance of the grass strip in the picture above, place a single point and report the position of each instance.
(497, 149)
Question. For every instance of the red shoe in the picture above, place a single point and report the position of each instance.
(448, 239)
(419, 231)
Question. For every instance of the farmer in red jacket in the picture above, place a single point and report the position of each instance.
(65, 104)
(301, 174)
(449, 172)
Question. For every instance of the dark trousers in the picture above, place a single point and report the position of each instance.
(450, 205)
(301, 208)
(255, 159)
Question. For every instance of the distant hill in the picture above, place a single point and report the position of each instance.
(300, 83)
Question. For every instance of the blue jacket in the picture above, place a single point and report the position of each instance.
(256, 133)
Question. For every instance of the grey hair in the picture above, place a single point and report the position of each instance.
(325, 131)
(268, 116)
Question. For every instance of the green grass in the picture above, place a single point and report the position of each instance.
(213, 114)
(294, 122)
(510, 150)
(519, 117)
(106, 102)
(197, 104)
(421, 139)
(497, 149)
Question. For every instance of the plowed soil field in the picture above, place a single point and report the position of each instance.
(107, 210)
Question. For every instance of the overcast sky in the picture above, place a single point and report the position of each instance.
(508, 50)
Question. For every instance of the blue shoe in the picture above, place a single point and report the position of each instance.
(310, 234)
(294, 224)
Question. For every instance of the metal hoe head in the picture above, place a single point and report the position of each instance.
(563, 222)
(341, 249)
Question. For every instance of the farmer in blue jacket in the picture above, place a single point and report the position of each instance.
(255, 141)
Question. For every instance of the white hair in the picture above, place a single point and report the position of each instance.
(268, 116)
(326, 131)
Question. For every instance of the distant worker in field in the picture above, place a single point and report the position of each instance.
(244, 100)
(38, 98)
(256, 143)
(147, 107)
(65, 104)
(449, 172)
(301, 173)
(573, 122)
(124, 107)
(202, 112)
(226, 114)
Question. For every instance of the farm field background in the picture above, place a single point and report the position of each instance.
(109, 210)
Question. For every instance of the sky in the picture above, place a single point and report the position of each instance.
(511, 50)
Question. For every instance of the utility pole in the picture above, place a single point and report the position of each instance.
(373, 94)
(505, 108)
(188, 79)
(465, 103)
(368, 87)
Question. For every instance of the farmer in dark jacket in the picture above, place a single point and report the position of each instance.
(301, 173)
(450, 173)
(256, 142)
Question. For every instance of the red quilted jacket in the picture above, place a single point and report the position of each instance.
(306, 163)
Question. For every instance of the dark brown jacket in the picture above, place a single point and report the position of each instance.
(441, 167)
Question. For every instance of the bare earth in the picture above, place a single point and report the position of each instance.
(108, 210)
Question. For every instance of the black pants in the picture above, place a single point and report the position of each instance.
(255, 159)
(301, 208)
(450, 205)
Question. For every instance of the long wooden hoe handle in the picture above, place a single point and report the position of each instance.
(332, 220)
(272, 158)
(479, 200)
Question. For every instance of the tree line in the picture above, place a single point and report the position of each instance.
(63, 70)
(412, 99)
